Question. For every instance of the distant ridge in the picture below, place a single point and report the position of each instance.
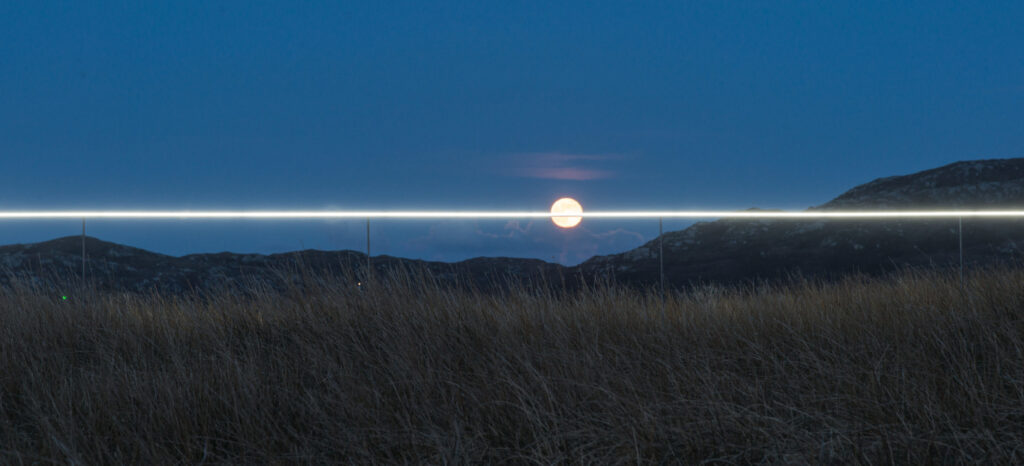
(971, 184)
(724, 251)
(732, 251)
(119, 267)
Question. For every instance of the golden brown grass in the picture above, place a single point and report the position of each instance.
(907, 369)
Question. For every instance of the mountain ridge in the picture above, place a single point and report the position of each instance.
(723, 251)
(743, 250)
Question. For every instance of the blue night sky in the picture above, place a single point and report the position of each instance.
(484, 105)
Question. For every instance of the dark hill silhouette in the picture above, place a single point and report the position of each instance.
(723, 251)
(738, 250)
(118, 267)
(978, 184)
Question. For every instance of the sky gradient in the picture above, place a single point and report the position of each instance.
(484, 105)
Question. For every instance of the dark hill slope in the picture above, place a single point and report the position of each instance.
(117, 267)
(982, 184)
(723, 251)
(734, 250)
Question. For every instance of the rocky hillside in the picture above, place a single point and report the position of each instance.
(723, 251)
(734, 250)
(978, 184)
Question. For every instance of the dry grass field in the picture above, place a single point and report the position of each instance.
(907, 369)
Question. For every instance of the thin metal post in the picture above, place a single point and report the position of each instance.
(661, 262)
(368, 265)
(960, 227)
(83, 250)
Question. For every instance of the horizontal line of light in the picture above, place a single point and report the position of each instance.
(499, 214)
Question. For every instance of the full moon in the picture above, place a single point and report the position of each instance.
(566, 205)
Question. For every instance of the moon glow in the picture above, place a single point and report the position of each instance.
(566, 205)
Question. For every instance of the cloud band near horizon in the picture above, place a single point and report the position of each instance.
(560, 166)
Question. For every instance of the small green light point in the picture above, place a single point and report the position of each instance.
(65, 298)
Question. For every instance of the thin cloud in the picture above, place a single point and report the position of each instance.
(567, 173)
(618, 232)
(559, 166)
(512, 230)
(529, 238)
(561, 157)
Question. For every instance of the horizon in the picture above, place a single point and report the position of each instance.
(333, 216)
(484, 106)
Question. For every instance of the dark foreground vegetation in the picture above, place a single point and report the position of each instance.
(908, 368)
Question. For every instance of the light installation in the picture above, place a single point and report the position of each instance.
(457, 214)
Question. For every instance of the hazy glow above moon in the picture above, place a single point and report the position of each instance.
(566, 205)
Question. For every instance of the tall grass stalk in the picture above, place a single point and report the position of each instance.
(907, 369)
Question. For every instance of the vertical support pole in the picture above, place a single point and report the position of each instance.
(661, 262)
(368, 265)
(83, 250)
(960, 228)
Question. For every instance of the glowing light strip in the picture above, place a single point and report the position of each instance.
(184, 214)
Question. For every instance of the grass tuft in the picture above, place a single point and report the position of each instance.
(910, 368)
